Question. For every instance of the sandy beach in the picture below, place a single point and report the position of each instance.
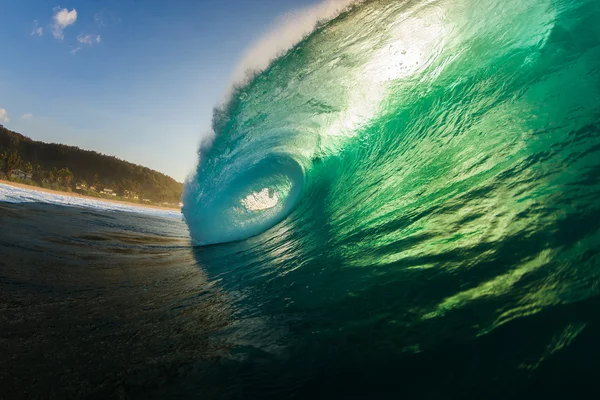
(77, 195)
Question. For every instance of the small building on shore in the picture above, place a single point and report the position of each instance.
(130, 195)
(19, 174)
(108, 192)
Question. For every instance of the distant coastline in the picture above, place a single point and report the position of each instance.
(80, 196)
(70, 169)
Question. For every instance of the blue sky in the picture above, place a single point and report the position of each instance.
(132, 78)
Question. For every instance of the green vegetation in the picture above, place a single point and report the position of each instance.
(69, 168)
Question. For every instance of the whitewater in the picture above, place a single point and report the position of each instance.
(16, 195)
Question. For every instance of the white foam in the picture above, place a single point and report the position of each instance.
(258, 201)
(11, 194)
(286, 32)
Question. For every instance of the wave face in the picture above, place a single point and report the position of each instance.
(395, 107)
(424, 169)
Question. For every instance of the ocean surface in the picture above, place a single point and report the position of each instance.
(406, 204)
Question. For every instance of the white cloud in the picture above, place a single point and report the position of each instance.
(27, 116)
(85, 40)
(61, 19)
(3, 115)
(37, 29)
(89, 39)
(99, 19)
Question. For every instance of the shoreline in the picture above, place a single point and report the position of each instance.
(80, 196)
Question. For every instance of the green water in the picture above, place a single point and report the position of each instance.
(414, 183)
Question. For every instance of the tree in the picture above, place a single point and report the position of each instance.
(68, 177)
(65, 176)
(27, 167)
(97, 169)
(49, 176)
(37, 174)
(55, 177)
(122, 187)
(11, 160)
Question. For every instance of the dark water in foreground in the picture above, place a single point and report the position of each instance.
(118, 305)
(99, 304)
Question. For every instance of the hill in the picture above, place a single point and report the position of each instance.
(62, 167)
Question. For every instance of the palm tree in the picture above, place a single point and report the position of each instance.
(11, 161)
(27, 167)
(66, 176)
(37, 174)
